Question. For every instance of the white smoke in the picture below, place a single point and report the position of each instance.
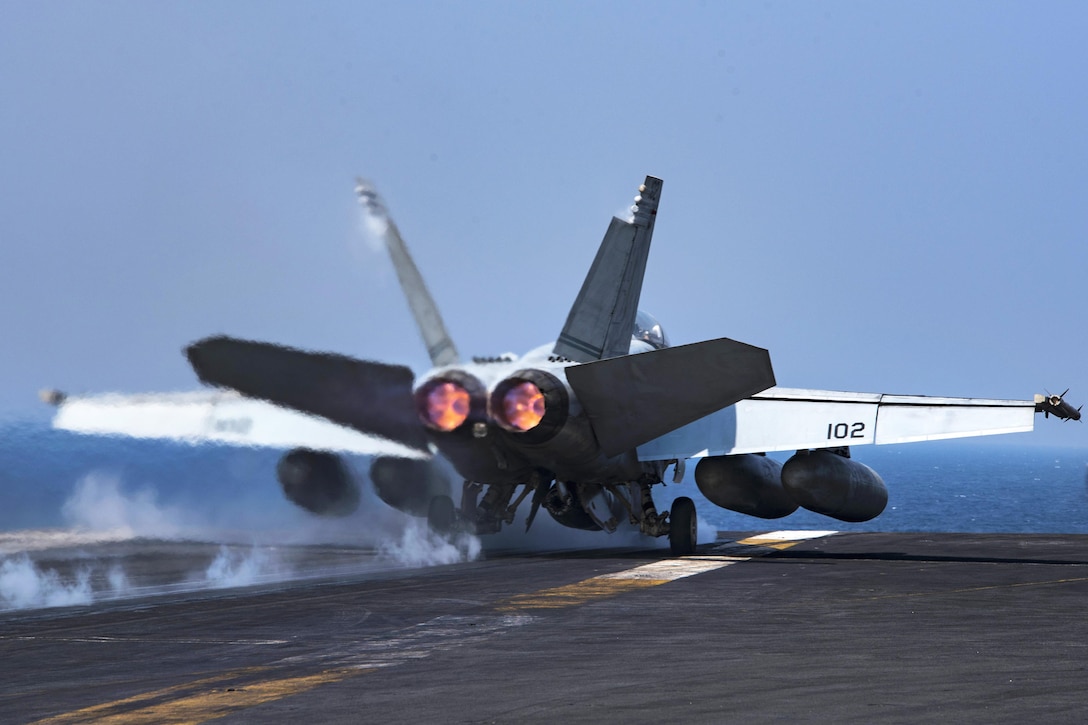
(418, 546)
(23, 586)
(708, 532)
(98, 504)
(118, 581)
(233, 568)
(26, 585)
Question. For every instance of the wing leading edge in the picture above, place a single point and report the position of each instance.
(784, 419)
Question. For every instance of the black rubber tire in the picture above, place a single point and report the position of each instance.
(683, 527)
(440, 515)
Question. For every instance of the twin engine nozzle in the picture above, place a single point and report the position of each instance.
(529, 402)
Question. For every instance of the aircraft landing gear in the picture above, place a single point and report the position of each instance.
(651, 522)
(476, 515)
(683, 527)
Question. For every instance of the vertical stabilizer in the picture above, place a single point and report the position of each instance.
(437, 339)
(602, 319)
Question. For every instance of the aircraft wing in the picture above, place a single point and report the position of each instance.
(212, 417)
(786, 419)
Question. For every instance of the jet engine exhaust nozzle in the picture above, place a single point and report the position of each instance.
(523, 407)
(530, 403)
(445, 402)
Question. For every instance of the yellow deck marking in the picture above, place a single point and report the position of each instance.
(609, 585)
(89, 714)
(574, 594)
(651, 575)
(214, 697)
(202, 706)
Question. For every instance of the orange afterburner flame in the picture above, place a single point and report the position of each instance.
(523, 406)
(447, 406)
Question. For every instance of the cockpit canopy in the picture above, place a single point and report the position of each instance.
(650, 331)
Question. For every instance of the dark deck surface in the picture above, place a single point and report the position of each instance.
(848, 628)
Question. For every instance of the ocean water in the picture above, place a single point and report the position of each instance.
(55, 479)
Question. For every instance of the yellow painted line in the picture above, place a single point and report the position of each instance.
(202, 706)
(89, 714)
(610, 585)
(652, 574)
(577, 593)
(780, 545)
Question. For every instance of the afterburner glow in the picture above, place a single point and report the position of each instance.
(447, 406)
(523, 406)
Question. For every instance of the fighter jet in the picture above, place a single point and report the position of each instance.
(584, 427)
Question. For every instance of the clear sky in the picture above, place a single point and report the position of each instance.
(888, 196)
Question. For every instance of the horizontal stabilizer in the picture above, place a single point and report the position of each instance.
(370, 397)
(636, 398)
(787, 419)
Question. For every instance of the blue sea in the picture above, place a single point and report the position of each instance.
(973, 485)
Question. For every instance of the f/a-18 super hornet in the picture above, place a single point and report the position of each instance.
(583, 427)
(586, 426)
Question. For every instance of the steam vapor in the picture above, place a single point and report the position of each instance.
(418, 546)
(61, 567)
(24, 586)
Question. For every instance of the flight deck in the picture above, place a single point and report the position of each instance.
(783, 627)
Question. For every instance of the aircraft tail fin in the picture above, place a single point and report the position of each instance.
(602, 319)
(440, 346)
(634, 399)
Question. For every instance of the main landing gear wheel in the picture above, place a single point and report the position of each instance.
(683, 527)
(440, 515)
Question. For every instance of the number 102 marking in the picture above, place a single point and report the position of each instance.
(839, 431)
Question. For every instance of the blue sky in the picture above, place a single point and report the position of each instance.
(890, 197)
